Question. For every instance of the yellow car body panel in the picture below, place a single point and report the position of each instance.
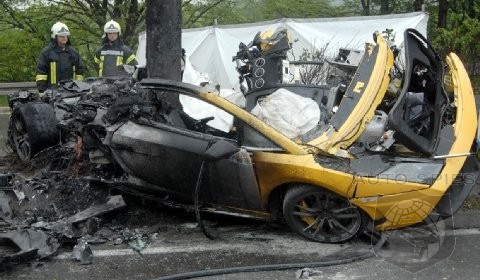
(374, 186)
(274, 170)
(373, 92)
(295, 163)
(464, 131)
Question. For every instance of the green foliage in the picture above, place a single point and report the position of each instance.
(18, 56)
(374, 7)
(3, 101)
(461, 37)
(205, 12)
(273, 9)
(25, 30)
(475, 84)
(23, 34)
(389, 34)
(25, 24)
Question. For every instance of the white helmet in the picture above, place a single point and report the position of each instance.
(112, 27)
(60, 29)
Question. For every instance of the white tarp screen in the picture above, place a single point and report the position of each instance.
(210, 49)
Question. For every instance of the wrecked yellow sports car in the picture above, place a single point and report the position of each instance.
(389, 144)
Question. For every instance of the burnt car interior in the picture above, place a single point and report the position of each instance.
(261, 68)
(414, 113)
(417, 114)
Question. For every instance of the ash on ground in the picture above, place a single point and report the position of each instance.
(47, 207)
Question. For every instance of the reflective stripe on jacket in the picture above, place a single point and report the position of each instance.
(110, 56)
(55, 64)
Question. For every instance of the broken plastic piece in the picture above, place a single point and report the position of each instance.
(82, 252)
(68, 228)
(32, 244)
(305, 273)
(137, 244)
(113, 203)
(118, 241)
(6, 213)
(5, 180)
(386, 141)
(19, 194)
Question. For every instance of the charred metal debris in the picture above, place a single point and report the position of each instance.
(64, 182)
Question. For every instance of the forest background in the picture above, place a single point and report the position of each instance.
(454, 25)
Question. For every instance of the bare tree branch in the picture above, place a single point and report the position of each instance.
(196, 16)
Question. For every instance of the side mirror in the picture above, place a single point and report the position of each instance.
(220, 149)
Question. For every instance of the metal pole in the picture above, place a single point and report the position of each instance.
(164, 35)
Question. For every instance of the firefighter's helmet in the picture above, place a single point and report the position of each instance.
(60, 29)
(112, 27)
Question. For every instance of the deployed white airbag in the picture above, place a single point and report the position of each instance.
(287, 112)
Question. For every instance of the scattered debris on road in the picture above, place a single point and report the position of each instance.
(82, 252)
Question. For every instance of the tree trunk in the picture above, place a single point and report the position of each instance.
(418, 5)
(130, 35)
(470, 8)
(366, 7)
(164, 34)
(117, 9)
(443, 6)
(384, 7)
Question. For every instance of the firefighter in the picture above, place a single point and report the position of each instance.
(59, 60)
(114, 53)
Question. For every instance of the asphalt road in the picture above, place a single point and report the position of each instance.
(184, 249)
(461, 264)
(181, 247)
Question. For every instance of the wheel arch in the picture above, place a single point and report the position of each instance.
(276, 196)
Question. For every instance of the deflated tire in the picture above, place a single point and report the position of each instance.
(32, 128)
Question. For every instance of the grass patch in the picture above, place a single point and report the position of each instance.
(475, 84)
(472, 202)
(3, 101)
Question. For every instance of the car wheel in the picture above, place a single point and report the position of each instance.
(320, 215)
(32, 128)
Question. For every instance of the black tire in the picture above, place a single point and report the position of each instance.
(32, 128)
(320, 215)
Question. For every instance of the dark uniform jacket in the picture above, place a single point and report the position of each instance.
(55, 64)
(109, 57)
